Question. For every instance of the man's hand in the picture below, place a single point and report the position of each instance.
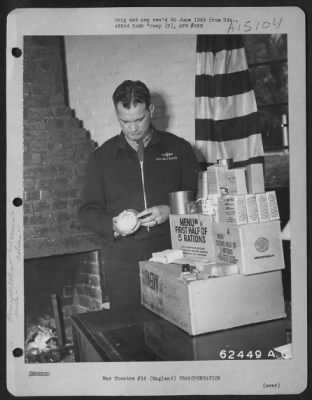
(154, 216)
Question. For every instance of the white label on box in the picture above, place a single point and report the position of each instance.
(226, 247)
(252, 208)
(263, 208)
(235, 209)
(236, 181)
(273, 206)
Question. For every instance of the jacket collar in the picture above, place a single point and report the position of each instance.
(122, 143)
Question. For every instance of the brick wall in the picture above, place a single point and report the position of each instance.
(56, 148)
(96, 65)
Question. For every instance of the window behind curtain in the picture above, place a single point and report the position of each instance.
(268, 66)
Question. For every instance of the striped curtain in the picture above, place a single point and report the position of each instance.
(226, 124)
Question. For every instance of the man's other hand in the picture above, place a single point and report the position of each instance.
(154, 216)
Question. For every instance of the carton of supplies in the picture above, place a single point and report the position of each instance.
(208, 305)
(255, 178)
(248, 208)
(236, 181)
(255, 248)
(192, 233)
(252, 209)
(216, 176)
(272, 205)
(263, 208)
(235, 210)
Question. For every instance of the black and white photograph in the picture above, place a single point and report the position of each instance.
(156, 199)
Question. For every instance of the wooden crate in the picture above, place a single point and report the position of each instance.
(212, 304)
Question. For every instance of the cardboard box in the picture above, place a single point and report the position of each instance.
(255, 248)
(252, 209)
(235, 210)
(236, 181)
(216, 175)
(272, 205)
(213, 304)
(255, 178)
(192, 233)
(263, 208)
(248, 208)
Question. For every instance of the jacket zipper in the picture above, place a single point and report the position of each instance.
(143, 186)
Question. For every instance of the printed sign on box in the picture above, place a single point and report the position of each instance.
(192, 233)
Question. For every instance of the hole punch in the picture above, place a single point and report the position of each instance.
(16, 52)
(18, 352)
(17, 202)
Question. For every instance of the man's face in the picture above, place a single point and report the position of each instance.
(135, 121)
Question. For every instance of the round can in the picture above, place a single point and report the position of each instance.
(178, 201)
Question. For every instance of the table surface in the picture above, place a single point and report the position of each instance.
(144, 336)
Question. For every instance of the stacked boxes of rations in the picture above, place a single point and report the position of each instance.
(233, 236)
(238, 223)
(248, 229)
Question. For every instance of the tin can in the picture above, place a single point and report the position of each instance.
(202, 185)
(178, 201)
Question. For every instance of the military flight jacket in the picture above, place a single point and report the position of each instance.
(114, 180)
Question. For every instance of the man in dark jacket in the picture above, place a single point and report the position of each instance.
(136, 169)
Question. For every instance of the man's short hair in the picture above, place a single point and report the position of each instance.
(131, 93)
